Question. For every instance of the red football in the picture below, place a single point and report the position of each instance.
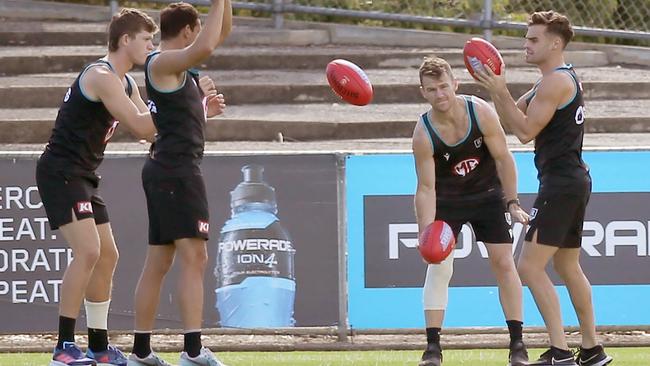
(478, 52)
(349, 82)
(437, 242)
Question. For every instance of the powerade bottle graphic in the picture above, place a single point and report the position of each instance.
(255, 274)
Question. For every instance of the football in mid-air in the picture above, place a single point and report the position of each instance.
(478, 52)
(349, 82)
(437, 242)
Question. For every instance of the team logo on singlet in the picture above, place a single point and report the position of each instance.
(465, 167)
(111, 131)
(580, 115)
(84, 207)
(152, 106)
(478, 142)
(533, 213)
(447, 156)
(67, 96)
(204, 226)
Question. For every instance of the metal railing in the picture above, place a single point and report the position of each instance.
(625, 19)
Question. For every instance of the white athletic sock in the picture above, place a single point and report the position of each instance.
(97, 314)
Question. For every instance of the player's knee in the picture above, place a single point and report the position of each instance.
(436, 284)
(567, 271)
(110, 256)
(196, 258)
(525, 271)
(502, 264)
(87, 255)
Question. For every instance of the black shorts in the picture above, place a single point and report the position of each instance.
(490, 220)
(177, 205)
(63, 192)
(558, 217)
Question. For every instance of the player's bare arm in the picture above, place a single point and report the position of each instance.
(103, 84)
(521, 102)
(175, 62)
(495, 140)
(552, 91)
(141, 105)
(425, 194)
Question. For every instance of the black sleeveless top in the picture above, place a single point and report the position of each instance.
(179, 116)
(81, 131)
(558, 147)
(466, 171)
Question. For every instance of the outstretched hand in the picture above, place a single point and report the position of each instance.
(491, 81)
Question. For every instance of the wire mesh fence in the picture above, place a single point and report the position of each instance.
(591, 17)
(614, 18)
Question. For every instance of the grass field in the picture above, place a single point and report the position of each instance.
(622, 357)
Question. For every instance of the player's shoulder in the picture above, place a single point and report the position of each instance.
(421, 139)
(481, 106)
(477, 101)
(99, 72)
(557, 80)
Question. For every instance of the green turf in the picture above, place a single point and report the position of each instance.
(622, 357)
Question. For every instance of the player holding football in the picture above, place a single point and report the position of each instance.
(552, 113)
(466, 174)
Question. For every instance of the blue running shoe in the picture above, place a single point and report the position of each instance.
(70, 355)
(111, 357)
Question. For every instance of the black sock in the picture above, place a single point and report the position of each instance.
(66, 330)
(97, 339)
(588, 352)
(433, 336)
(142, 344)
(192, 343)
(515, 328)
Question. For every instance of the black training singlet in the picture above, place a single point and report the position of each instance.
(466, 171)
(179, 116)
(82, 129)
(558, 147)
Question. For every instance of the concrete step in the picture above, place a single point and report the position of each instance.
(320, 121)
(48, 59)
(310, 86)
(48, 10)
(87, 34)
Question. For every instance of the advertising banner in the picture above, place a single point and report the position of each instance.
(386, 272)
(273, 257)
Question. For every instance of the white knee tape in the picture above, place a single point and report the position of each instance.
(436, 284)
(97, 314)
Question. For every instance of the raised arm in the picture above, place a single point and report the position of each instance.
(217, 27)
(552, 90)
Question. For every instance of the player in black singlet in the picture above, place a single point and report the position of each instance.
(100, 96)
(171, 177)
(466, 174)
(552, 113)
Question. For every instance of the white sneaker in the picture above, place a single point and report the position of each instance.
(205, 358)
(151, 360)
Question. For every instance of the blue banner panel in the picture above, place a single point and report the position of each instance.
(386, 273)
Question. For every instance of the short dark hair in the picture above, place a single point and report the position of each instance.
(433, 66)
(555, 23)
(128, 21)
(175, 17)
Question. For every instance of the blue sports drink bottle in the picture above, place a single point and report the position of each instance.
(255, 272)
